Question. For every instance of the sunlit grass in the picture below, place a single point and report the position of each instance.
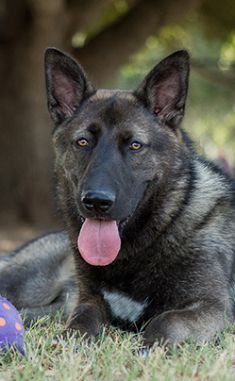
(114, 356)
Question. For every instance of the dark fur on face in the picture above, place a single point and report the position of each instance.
(124, 164)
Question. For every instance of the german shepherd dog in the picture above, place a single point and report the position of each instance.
(151, 225)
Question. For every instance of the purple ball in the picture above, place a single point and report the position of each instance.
(11, 327)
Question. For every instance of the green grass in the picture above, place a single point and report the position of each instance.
(115, 356)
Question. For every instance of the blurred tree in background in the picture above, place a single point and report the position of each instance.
(117, 41)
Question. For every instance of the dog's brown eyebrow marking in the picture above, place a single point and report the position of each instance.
(94, 128)
(126, 135)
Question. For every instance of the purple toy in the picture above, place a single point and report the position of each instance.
(11, 327)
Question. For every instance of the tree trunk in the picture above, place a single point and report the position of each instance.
(26, 154)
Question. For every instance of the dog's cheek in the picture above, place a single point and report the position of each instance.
(153, 168)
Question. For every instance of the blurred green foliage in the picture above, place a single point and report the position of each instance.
(210, 115)
(116, 9)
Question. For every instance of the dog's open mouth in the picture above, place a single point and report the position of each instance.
(99, 241)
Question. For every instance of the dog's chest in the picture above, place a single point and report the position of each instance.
(123, 306)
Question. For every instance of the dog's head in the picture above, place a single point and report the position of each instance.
(111, 146)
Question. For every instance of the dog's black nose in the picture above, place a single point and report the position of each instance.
(99, 201)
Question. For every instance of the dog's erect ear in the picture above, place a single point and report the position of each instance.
(66, 84)
(164, 90)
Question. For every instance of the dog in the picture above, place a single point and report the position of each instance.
(150, 225)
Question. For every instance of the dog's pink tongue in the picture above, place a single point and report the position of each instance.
(99, 242)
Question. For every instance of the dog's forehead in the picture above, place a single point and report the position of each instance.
(120, 109)
(112, 104)
(106, 95)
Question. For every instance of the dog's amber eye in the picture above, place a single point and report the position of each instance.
(82, 142)
(135, 146)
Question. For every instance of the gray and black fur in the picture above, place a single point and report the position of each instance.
(176, 212)
(39, 277)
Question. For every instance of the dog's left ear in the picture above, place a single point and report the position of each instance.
(164, 90)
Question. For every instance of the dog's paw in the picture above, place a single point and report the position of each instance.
(85, 321)
(166, 329)
(174, 327)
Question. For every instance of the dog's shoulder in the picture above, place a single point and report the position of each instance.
(212, 201)
(211, 181)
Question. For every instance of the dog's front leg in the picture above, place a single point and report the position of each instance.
(199, 322)
(88, 317)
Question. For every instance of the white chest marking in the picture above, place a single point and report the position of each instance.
(123, 307)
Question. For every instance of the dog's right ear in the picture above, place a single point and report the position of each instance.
(66, 84)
